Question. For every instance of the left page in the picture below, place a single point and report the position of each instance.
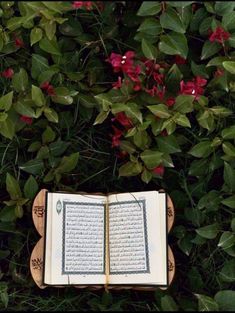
(75, 239)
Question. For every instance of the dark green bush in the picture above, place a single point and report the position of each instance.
(97, 96)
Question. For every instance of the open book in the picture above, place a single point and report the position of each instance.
(98, 240)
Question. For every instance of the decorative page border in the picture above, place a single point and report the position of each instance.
(64, 272)
(143, 202)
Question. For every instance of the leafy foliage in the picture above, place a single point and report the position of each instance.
(102, 95)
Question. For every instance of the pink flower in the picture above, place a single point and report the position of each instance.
(26, 119)
(219, 35)
(48, 88)
(121, 63)
(8, 73)
(193, 87)
(159, 170)
(170, 102)
(158, 78)
(19, 43)
(180, 60)
(82, 4)
(123, 120)
(117, 84)
(116, 137)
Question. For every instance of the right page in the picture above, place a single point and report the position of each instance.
(138, 238)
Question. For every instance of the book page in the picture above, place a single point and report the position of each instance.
(75, 244)
(137, 238)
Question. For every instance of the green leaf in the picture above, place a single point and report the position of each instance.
(226, 300)
(149, 51)
(68, 163)
(149, 8)
(171, 20)
(50, 29)
(209, 231)
(227, 240)
(35, 35)
(182, 120)
(174, 43)
(227, 273)
(51, 115)
(228, 133)
(13, 187)
(20, 80)
(206, 303)
(184, 103)
(141, 139)
(50, 46)
(48, 135)
(202, 149)
(168, 144)
(222, 8)
(228, 149)
(228, 21)
(34, 166)
(217, 61)
(229, 176)
(206, 120)
(30, 188)
(39, 65)
(62, 96)
(150, 26)
(6, 101)
(146, 176)
(127, 146)
(209, 49)
(15, 22)
(230, 202)
(151, 158)
(159, 110)
(168, 304)
(23, 107)
(220, 111)
(3, 116)
(7, 128)
(101, 117)
(229, 66)
(58, 147)
(37, 96)
(130, 169)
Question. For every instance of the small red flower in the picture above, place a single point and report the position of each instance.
(194, 87)
(219, 35)
(117, 84)
(123, 120)
(8, 73)
(48, 88)
(179, 60)
(26, 119)
(122, 63)
(170, 102)
(159, 170)
(116, 137)
(82, 4)
(158, 77)
(19, 42)
(77, 4)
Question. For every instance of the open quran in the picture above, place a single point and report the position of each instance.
(116, 240)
